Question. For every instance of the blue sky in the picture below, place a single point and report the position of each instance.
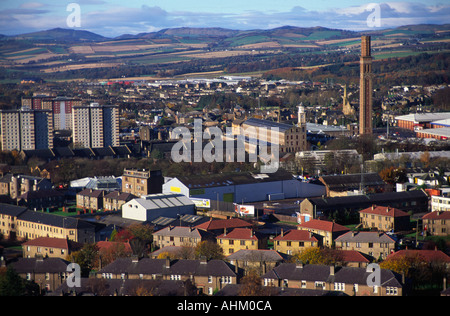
(113, 17)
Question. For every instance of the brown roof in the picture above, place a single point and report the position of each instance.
(48, 242)
(120, 196)
(428, 255)
(91, 193)
(223, 223)
(384, 210)
(324, 225)
(437, 215)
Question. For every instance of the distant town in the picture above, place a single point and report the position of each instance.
(358, 204)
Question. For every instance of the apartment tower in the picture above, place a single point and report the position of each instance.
(365, 88)
(95, 126)
(26, 129)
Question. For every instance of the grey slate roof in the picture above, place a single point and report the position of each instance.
(11, 210)
(259, 255)
(33, 265)
(54, 220)
(120, 287)
(177, 267)
(348, 275)
(365, 237)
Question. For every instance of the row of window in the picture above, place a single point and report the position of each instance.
(338, 286)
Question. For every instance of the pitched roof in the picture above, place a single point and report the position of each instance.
(351, 181)
(125, 287)
(50, 265)
(223, 223)
(61, 243)
(54, 220)
(259, 255)
(365, 237)
(239, 233)
(116, 195)
(353, 275)
(200, 268)
(322, 273)
(163, 200)
(353, 256)
(428, 255)
(295, 234)
(437, 215)
(91, 193)
(293, 271)
(385, 211)
(323, 225)
(179, 231)
(11, 210)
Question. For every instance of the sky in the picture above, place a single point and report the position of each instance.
(112, 18)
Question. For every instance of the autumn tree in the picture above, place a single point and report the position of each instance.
(209, 250)
(393, 175)
(252, 285)
(315, 255)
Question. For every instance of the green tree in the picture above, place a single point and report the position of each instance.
(86, 257)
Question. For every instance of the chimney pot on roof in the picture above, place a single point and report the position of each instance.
(332, 270)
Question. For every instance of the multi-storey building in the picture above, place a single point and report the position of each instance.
(21, 223)
(142, 182)
(437, 223)
(384, 218)
(289, 138)
(240, 239)
(16, 185)
(95, 126)
(61, 108)
(294, 241)
(440, 203)
(26, 129)
(179, 236)
(375, 244)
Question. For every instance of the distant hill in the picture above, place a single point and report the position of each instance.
(63, 35)
(284, 34)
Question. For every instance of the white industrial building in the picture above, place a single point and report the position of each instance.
(150, 207)
(243, 187)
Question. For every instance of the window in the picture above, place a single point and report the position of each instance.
(319, 285)
(391, 291)
(339, 286)
(175, 277)
(209, 279)
(303, 284)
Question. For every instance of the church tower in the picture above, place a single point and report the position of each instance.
(365, 88)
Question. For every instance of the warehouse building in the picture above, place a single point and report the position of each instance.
(243, 187)
(152, 206)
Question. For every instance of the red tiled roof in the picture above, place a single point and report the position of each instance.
(48, 242)
(428, 255)
(239, 233)
(353, 256)
(294, 234)
(323, 225)
(384, 210)
(437, 215)
(223, 223)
